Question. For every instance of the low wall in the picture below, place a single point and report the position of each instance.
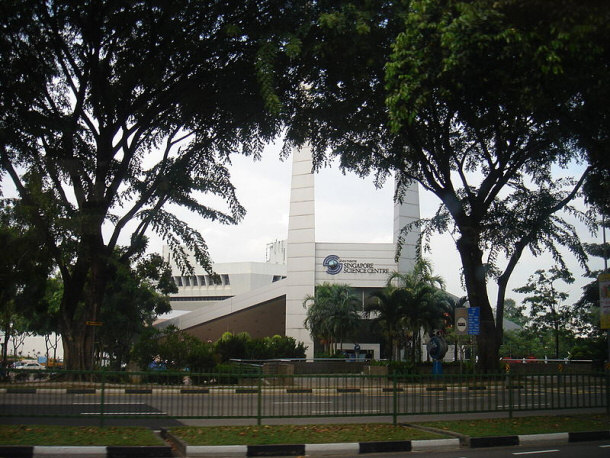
(331, 367)
(314, 367)
(554, 367)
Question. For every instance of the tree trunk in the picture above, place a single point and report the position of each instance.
(556, 332)
(7, 331)
(81, 303)
(414, 347)
(476, 286)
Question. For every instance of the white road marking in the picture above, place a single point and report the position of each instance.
(107, 403)
(508, 406)
(339, 412)
(124, 413)
(534, 452)
(301, 402)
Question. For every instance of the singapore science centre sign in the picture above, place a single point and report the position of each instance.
(336, 265)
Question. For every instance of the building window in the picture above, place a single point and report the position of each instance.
(199, 298)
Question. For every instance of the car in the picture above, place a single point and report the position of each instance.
(32, 365)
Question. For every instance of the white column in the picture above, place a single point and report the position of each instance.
(405, 213)
(301, 249)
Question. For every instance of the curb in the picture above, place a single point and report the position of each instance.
(50, 451)
(7, 451)
(235, 390)
(493, 441)
(525, 439)
(375, 447)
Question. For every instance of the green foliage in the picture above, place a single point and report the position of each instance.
(514, 313)
(332, 314)
(454, 71)
(175, 348)
(135, 295)
(593, 349)
(388, 312)
(402, 368)
(409, 303)
(524, 343)
(179, 350)
(478, 101)
(25, 267)
(275, 347)
(112, 115)
(231, 346)
(241, 346)
(544, 301)
(585, 313)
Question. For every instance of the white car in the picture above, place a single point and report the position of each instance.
(32, 365)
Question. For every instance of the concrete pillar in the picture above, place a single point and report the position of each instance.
(301, 249)
(405, 213)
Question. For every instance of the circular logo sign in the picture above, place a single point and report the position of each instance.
(332, 264)
(461, 324)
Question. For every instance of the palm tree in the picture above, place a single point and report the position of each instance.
(388, 311)
(332, 314)
(426, 308)
(421, 273)
(425, 303)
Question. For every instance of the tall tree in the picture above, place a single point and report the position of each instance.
(119, 112)
(479, 102)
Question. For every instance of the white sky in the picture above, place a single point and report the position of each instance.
(348, 209)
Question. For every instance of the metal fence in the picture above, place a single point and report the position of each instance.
(253, 394)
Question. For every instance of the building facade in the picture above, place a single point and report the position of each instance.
(266, 299)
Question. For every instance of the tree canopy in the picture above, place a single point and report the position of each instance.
(114, 114)
(481, 103)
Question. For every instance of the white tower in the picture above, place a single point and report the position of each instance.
(406, 213)
(301, 249)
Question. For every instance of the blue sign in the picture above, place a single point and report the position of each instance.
(474, 321)
(332, 264)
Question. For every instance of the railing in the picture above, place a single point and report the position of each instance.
(254, 394)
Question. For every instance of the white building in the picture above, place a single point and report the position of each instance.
(265, 299)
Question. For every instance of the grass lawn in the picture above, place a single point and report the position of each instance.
(76, 435)
(524, 425)
(296, 434)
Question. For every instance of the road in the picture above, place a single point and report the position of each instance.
(597, 449)
(247, 402)
(159, 406)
